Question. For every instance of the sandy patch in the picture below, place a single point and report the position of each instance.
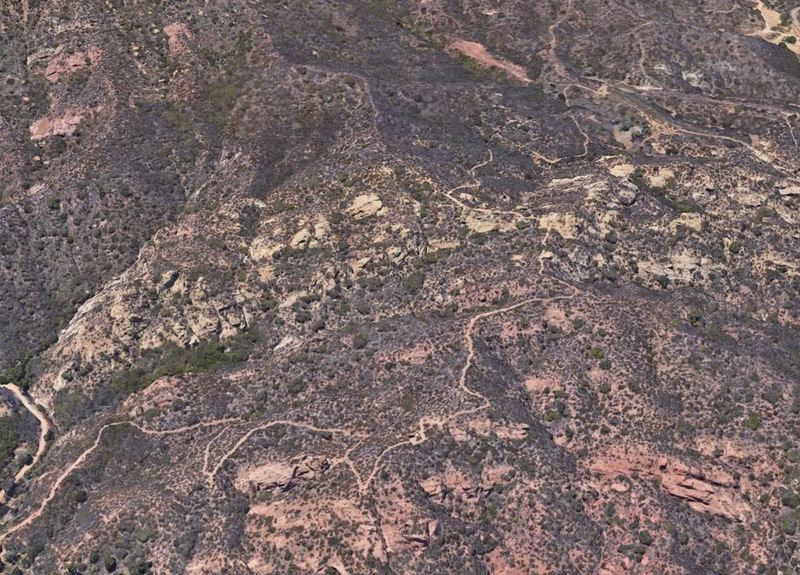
(624, 137)
(438, 245)
(621, 170)
(415, 355)
(482, 57)
(689, 221)
(565, 224)
(660, 178)
(482, 223)
(177, 34)
(541, 384)
(263, 249)
(555, 315)
(774, 31)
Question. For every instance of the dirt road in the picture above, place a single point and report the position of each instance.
(44, 429)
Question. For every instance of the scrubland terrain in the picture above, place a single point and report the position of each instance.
(427, 286)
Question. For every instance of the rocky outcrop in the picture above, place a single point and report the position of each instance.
(365, 206)
(282, 475)
(62, 63)
(789, 189)
(421, 535)
(456, 484)
(64, 125)
(707, 490)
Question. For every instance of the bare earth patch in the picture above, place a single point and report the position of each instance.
(177, 35)
(482, 57)
(62, 63)
(64, 125)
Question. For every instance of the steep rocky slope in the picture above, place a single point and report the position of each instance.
(400, 287)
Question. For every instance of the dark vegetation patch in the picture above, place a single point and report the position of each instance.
(169, 360)
(9, 439)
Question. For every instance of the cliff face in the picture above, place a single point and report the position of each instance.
(382, 287)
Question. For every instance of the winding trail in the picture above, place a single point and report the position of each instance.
(44, 430)
(664, 122)
(243, 439)
(620, 91)
(475, 183)
(419, 436)
(774, 30)
(56, 485)
(428, 422)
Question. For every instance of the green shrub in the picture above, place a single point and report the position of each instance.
(552, 415)
(685, 206)
(360, 341)
(174, 360)
(72, 405)
(222, 98)
(753, 421)
(143, 534)
(694, 317)
(788, 498)
(140, 567)
(788, 523)
(414, 282)
(296, 386)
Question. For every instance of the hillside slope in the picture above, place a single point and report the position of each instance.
(424, 286)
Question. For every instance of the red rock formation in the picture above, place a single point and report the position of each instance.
(713, 490)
